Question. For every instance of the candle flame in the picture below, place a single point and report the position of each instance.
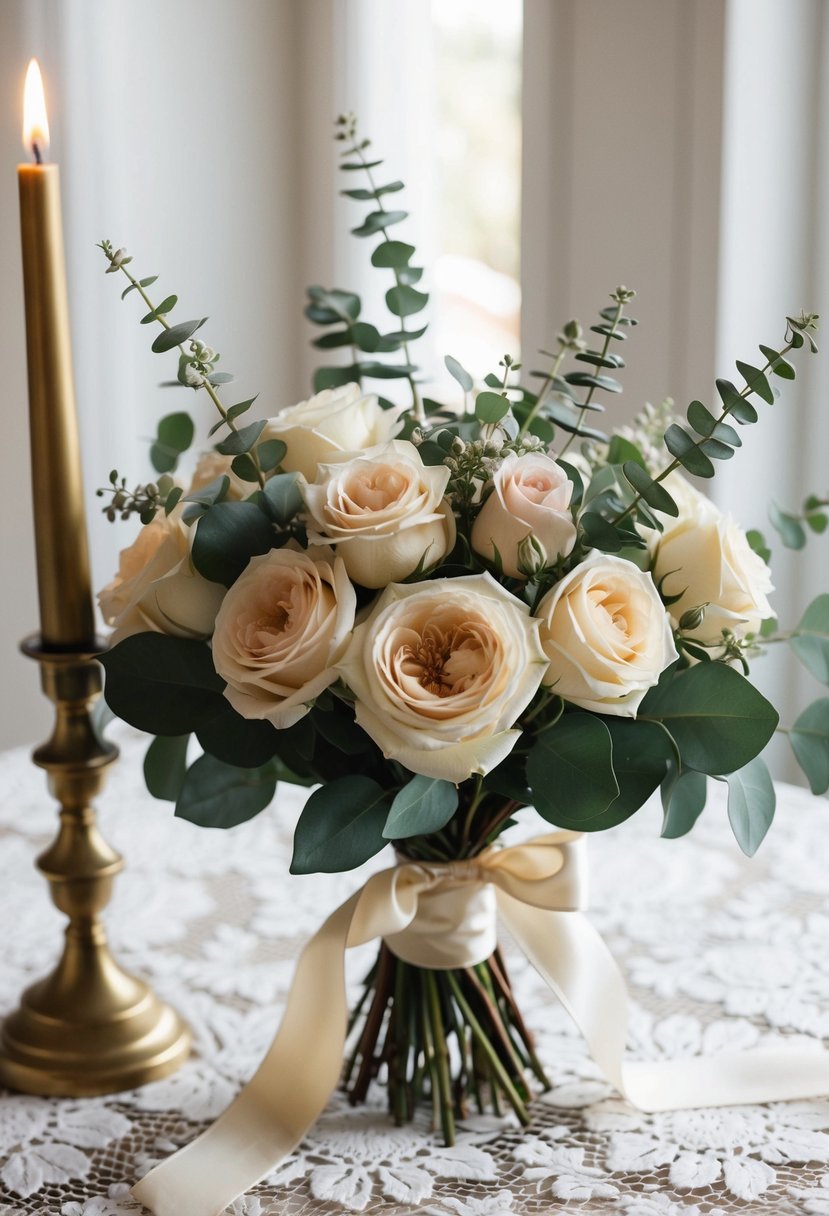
(35, 120)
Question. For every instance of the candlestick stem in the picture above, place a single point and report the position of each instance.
(89, 1027)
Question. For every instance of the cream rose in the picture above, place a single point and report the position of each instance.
(335, 420)
(704, 558)
(157, 588)
(384, 510)
(281, 627)
(530, 497)
(441, 672)
(606, 635)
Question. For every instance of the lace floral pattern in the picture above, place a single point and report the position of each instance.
(718, 952)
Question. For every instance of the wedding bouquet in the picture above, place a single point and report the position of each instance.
(439, 615)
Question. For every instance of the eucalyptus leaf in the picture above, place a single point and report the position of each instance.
(392, 255)
(459, 373)
(165, 765)
(683, 801)
(751, 803)
(491, 407)
(341, 826)
(404, 301)
(242, 440)
(809, 738)
(789, 528)
(810, 640)
(242, 742)
(176, 334)
(218, 795)
(718, 719)
(680, 444)
(283, 497)
(425, 805)
(654, 494)
(570, 770)
(162, 685)
(227, 537)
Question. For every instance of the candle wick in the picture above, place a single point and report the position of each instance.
(36, 151)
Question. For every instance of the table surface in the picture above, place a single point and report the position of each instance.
(718, 952)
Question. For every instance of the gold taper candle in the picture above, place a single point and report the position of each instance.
(64, 583)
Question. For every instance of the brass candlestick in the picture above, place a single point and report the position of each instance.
(89, 1027)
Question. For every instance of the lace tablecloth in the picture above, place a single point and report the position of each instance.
(718, 952)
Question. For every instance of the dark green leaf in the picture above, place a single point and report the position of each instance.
(404, 301)
(778, 364)
(757, 542)
(588, 380)
(716, 450)
(704, 423)
(392, 255)
(340, 827)
(425, 805)
(333, 377)
(377, 221)
(719, 721)
(270, 454)
(809, 738)
(227, 537)
(751, 803)
(655, 495)
(621, 450)
(217, 795)
(570, 769)
(242, 440)
(176, 334)
(680, 444)
(683, 801)
(366, 337)
(606, 360)
(174, 436)
(735, 403)
(600, 534)
(756, 381)
(245, 468)
(337, 725)
(810, 640)
(165, 765)
(242, 742)
(162, 685)
(283, 497)
(410, 274)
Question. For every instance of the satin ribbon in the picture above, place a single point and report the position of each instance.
(443, 916)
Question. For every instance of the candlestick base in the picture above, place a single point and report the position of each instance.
(89, 1027)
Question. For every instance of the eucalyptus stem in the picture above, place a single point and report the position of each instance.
(542, 394)
(745, 391)
(417, 403)
(614, 325)
(206, 385)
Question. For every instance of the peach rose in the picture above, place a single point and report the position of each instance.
(384, 510)
(282, 626)
(606, 635)
(157, 588)
(442, 671)
(530, 497)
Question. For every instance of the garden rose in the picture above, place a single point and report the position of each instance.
(531, 496)
(606, 635)
(335, 420)
(384, 510)
(157, 588)
(441, 672)
(281, 627)
(704, 558)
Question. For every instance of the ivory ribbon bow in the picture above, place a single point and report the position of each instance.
(442, 916)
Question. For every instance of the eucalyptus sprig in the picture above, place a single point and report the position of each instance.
(342, 308)
(197, 370)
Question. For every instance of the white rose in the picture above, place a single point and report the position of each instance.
(335, 420)
(442, 671)
(157, 588)
(384, 510)
(606, 635)
(281, 627)
(705, 559)
(692, 505)
(531, 496)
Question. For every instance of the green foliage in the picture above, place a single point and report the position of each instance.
(719, 721)
(570, 770)
(788, 527)
(751, 803)
(341, 826)
(241, 742)
(459, 373)
(684, 794)
(218, 795)
(176, 334)
(810, 640)
(425, 805)
(174, 436)
(165, 765)
(491, 407)
(809, 738)
(162, 685)
(227, 536)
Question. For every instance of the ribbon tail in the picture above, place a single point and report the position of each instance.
(283, 1099)
(571, 956)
